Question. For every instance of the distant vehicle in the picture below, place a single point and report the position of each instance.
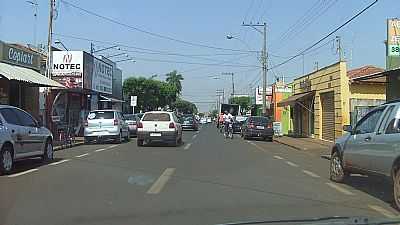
(106, 124)
(203, 120)
(21, 136)
(258, 127)
(189, 122)
(132, 120)
(238, 123)
(159, 126)
(209, 120)
(370, 148)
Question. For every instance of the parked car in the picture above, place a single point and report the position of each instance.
(189, 122)
(238, 123)
(21, 136)
(258, 127)
(371, 147)
(203, 120)
(159, 126)
(132, 120)
(106, 124)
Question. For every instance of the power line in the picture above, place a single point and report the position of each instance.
(193, 63)
(148, 32)
(326, 36)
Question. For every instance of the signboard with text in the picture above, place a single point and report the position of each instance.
(17, 55)
(393, 37)
(259, 96)
(102, 77)
(133, 101)
(68, 68)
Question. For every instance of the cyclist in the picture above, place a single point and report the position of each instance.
(228, 118)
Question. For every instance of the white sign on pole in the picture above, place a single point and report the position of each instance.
(133, 101)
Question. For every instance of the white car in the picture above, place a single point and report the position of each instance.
(209, 120)
(203, 120)
(106, 124)
(21, 136)
(159, 126)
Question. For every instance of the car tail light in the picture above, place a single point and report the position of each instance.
(251, 125)
(140, 125)
(85, 123)
(171, 125)
(115, 122)
(269, 125)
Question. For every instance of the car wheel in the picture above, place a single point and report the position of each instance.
(139, 142)
(86, 140)
(6, 160)
(119, 139)
(48, 151)
(337, 172)
(396, 189)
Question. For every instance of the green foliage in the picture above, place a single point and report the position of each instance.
(214, 113)
(175, 79)
(184, 107)
(244, 102)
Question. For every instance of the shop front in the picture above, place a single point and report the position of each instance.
(320, 103)
(20, 78)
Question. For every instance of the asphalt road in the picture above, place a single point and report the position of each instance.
(207, 180)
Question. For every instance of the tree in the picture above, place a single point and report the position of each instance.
(244, 102)
(184, 107)
(175, 79)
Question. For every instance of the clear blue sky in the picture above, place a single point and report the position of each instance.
(208, 22)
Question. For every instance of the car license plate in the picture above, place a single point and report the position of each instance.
(260, 127)
(155, 134)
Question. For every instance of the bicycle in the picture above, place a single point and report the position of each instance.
(66, 136)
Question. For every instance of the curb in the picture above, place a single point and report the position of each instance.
(58, 148)
(324, 156)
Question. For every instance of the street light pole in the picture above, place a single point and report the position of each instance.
(263, 61)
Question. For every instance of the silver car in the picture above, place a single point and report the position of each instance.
(21, 137)
(371, 147)
(106, 124)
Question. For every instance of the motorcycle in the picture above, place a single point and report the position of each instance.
(229, 131)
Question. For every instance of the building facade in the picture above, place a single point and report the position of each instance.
(281, 91)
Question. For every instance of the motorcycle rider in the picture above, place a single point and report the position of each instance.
(228, 118)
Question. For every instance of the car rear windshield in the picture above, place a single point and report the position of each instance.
(101, 115)
(259, 120)
(130, 117)
(156, 117)
(187, 118)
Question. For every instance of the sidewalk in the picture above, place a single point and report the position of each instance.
(311, 145)
(57, 145)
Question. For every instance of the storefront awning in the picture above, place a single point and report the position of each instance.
(30, 76)
(109, 99)
(293, 99)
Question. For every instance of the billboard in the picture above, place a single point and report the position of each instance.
(259, 96)
(102, 77)
(393, 37)
(68, 68)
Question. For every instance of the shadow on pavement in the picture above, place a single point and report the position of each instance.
(376, 187)
(28, 164)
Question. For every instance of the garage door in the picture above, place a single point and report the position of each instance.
(328, 116)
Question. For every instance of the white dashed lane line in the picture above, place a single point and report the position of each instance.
(59, 162)
(383, 211)
(83, 155)
(311, 174)
(194, 136)
(292, 164)
(187, 146)
(340, 189)
(112, 146)
(277, 157)
(100, 150)
(22, 173)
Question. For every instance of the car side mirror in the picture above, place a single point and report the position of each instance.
(348, 128)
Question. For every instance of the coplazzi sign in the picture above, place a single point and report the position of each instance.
(18, 56)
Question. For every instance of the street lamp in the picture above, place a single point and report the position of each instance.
(126, 60)
(58, 42)
(230, 37)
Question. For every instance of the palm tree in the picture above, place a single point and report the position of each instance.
(175, 79)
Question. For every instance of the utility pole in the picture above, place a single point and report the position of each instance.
(339, 48)
(233, 82)
(91, 48)
(263, 61)
(49, 39)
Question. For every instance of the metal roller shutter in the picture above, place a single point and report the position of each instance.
(328, 116)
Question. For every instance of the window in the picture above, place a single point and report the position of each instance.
(25, 119)
(259, 120)
(101, 115)
(10, 116)
(156, 117)
(368, 123)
